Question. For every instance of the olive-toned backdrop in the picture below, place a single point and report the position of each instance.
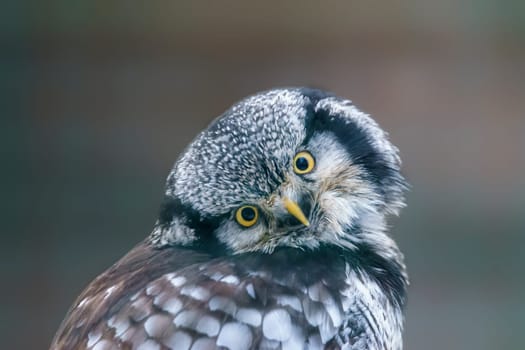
(99, 97)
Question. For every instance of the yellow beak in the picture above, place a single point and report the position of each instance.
(295, 211)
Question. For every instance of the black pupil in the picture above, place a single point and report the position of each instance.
(301, 163)
(248, 214)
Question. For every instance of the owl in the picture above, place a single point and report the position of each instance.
(272, 234)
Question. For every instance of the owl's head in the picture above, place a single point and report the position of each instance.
(287, 167)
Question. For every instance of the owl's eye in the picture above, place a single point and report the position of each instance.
(247, 215)
(303, 163)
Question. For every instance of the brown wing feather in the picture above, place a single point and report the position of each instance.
(109, 291)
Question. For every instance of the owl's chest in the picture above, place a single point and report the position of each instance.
(295, 299)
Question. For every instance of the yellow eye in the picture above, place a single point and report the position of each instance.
(247, 215)
(303, 163)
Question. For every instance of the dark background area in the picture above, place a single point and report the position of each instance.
(98, 99)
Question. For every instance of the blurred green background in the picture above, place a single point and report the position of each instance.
(98, 98)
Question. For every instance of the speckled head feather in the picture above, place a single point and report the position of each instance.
(243, 155)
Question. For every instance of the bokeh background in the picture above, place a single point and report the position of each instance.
(98, 98)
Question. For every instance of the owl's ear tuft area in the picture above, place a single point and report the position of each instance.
(172, 226)
(368, 145)
(167, 211)
(173, 233)
(180, 224)
(315, 95)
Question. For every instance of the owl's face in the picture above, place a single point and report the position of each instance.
(288, 167)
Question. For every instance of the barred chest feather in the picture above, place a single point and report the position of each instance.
(179, 299)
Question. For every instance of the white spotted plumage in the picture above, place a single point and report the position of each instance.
(277, 325)
(235, 324)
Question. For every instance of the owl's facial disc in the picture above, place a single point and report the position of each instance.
(288, 167)
(322, 195)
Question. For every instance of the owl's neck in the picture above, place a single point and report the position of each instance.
(382, 263)
(370, 250)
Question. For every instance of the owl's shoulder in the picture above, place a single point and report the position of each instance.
(111, 290)
(177, 297)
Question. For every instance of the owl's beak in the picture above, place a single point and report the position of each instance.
(293, 209)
